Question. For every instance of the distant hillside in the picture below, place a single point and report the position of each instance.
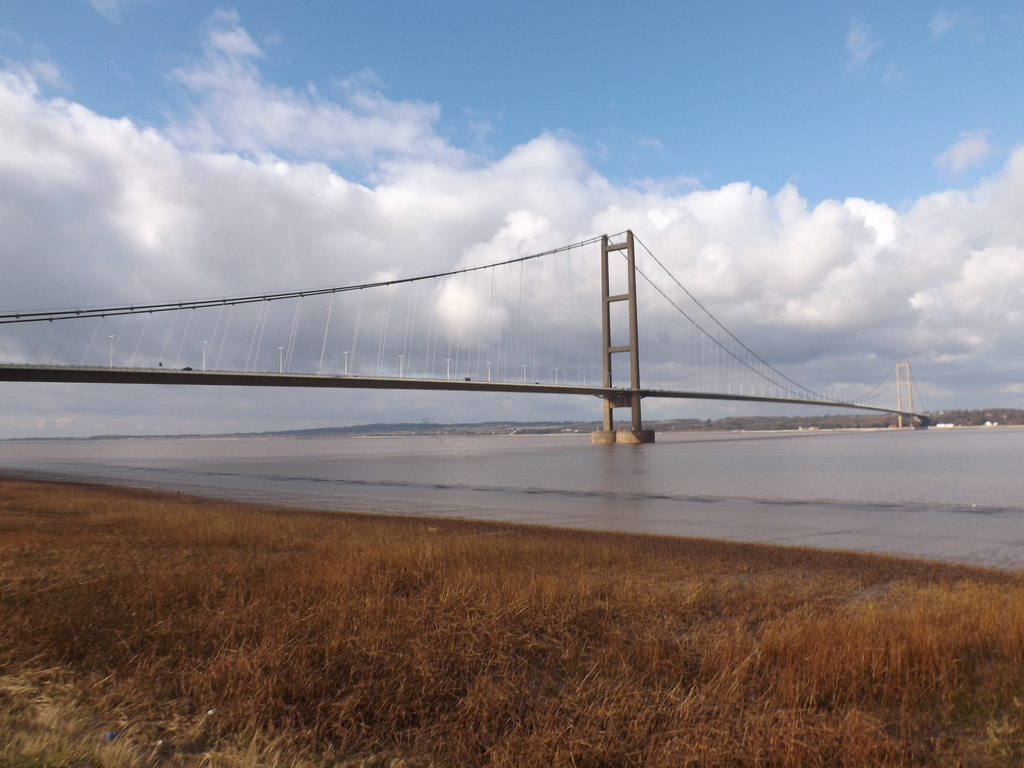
(956, 418)
(433, 428)
(1002, 416)
(425, 427)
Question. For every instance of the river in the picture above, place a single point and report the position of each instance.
(955, 495)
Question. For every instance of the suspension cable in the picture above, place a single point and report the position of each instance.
(127, 309)
(799, 387)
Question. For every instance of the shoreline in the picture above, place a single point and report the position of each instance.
(478, 431)
(927, 533)
(234, 500)
(200, 631)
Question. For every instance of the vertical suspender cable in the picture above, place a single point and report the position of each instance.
(184, 336)
(490, 316)
(216, 327)
(430, 353)
(39, 339)
(224, 336)
(384, 330)
(252, 341)
(262, 327)
(92, 339)
(355, 332)
(291, 336)
(142, 333)
(410, 324)
(327, 327)
(60, 346)
(170, 332)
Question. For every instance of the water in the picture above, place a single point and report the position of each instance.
(954, 495)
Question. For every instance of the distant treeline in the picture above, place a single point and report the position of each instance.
(853, 420)
(958, 418)
(1003, 416)
(773, 423)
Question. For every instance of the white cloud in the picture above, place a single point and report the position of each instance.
(945, 21)
(97, 210)
(233, 109)
(972, 150)
(31, 75)
(111, 9)
(108, 9)
(649, 142)
(861, 45)
(895, 76)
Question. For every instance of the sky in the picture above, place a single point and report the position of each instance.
(841, 182)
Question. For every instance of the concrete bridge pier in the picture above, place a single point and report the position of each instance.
(621, 436)
(629, 398)
(632, 435)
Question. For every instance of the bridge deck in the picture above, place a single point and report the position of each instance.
(98, 375)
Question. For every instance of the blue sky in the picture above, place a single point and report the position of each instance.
(852, 99)
(851, 145)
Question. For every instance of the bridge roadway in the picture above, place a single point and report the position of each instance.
(105, 375)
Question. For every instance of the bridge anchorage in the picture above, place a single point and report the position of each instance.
(525, 325)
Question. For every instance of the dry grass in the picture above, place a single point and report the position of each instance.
(211, 634)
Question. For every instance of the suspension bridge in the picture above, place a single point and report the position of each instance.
(583, 319)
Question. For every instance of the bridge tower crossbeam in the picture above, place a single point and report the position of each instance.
(631, 397)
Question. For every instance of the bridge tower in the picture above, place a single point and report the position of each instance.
(627, 398)
(904, 393)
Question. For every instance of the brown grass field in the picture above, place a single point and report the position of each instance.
(213, 634)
